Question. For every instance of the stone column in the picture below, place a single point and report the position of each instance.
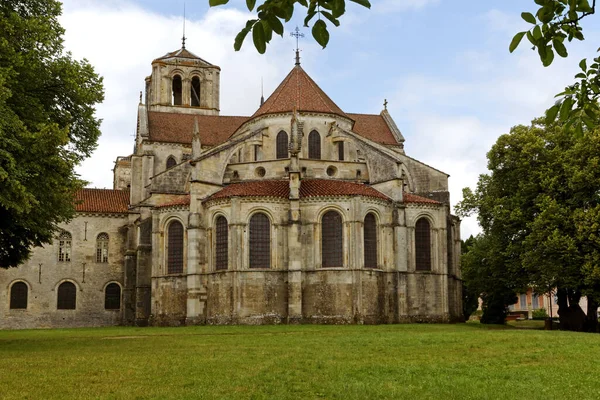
(401, 261)
(196, 264)
(144, 271)
(294, 252)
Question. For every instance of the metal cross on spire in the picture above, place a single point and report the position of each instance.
(183, 37)
(297, 34)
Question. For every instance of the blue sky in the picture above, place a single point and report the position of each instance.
(443, 65)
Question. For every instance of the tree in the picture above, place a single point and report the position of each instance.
(537, 209)
(271, 15)
(47, 126)
(555, 22)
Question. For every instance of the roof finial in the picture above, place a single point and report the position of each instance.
(262, 93)
(297, 35)
(385, 103)
(183, 37)
(140, 97)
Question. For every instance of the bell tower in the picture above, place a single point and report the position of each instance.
(183, 82)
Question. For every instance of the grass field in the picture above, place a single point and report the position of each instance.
(467, 361)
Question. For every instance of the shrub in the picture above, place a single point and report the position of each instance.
(539, 314)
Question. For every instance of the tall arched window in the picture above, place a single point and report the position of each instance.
(341, 151)
(260, 241)
(332, 241)
(177, 88)
(222, 243)
(18, 296)
(370, 241)
(195, 92)
(102, 248)
(171, 162)
(175, 248)
(64, 246)
(314, 145)
(112, 297)
(282, 145)
(423, 245)
(67, 296)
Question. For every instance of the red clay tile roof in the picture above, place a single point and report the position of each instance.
(373, 127)
(413, 198)
(102, 201)
(181, 201)
(179, 128)
(308, 188)
(298, 91)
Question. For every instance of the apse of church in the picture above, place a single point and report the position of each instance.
(299, 213)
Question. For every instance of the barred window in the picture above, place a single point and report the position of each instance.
(314, 145)
(175, 248)
(195, 92)
(222, 249)
(423, 245)
(18, 296)
(64, 246)
(112, 297)
(177, 87)
(171, 162)
(341, 151)
(332, 240)
(102, 248)
(370, 241)
(260, 241)
(67, 296)
(282, 145)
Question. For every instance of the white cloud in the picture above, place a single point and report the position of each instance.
(385, 6)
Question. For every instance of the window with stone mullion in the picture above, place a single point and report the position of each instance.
(222, 248)
(332, 240)
(260, 241)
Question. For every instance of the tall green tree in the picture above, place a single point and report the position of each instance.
(537, 208)
(47, 125)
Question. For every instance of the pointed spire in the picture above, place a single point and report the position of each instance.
(385, 104)
(183, 37)
(297, 35)
(262, 93)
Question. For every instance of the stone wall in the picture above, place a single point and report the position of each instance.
(89, 277)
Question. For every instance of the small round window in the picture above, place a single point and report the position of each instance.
(331, 170)
(260, 172)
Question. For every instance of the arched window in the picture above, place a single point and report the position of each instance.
(341, 151)
(282, 145)
(67, 296)
(222, 242)
(260, 241)
(112, 297)
(18, 296)
(370, 241)
(332, 240)
(102, 248)
(171, 162)
(177, 87)
(64, 246)
(314, 145)
(423, 245)
(195, 92)
(175, 248)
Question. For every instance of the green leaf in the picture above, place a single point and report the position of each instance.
(548, 57)
(551, 113)
(250, 4)
(537, 32)
(364, 3)
(565, 108)
(515, 41)
(560, 48)
(239, 39)
(583, 64)
(214, 3)
(258, 36)
(331, 18)
(275, 24)
(320, 33)
(528, 17)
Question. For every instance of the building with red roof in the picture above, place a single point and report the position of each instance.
(299, 213)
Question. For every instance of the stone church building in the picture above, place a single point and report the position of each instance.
(299, 213)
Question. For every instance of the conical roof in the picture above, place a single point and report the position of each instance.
(298, 91)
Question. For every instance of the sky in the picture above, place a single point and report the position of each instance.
(443, 65)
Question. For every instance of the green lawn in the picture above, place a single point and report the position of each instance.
(468, 361)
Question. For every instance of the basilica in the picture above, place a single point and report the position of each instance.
(299, 213)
